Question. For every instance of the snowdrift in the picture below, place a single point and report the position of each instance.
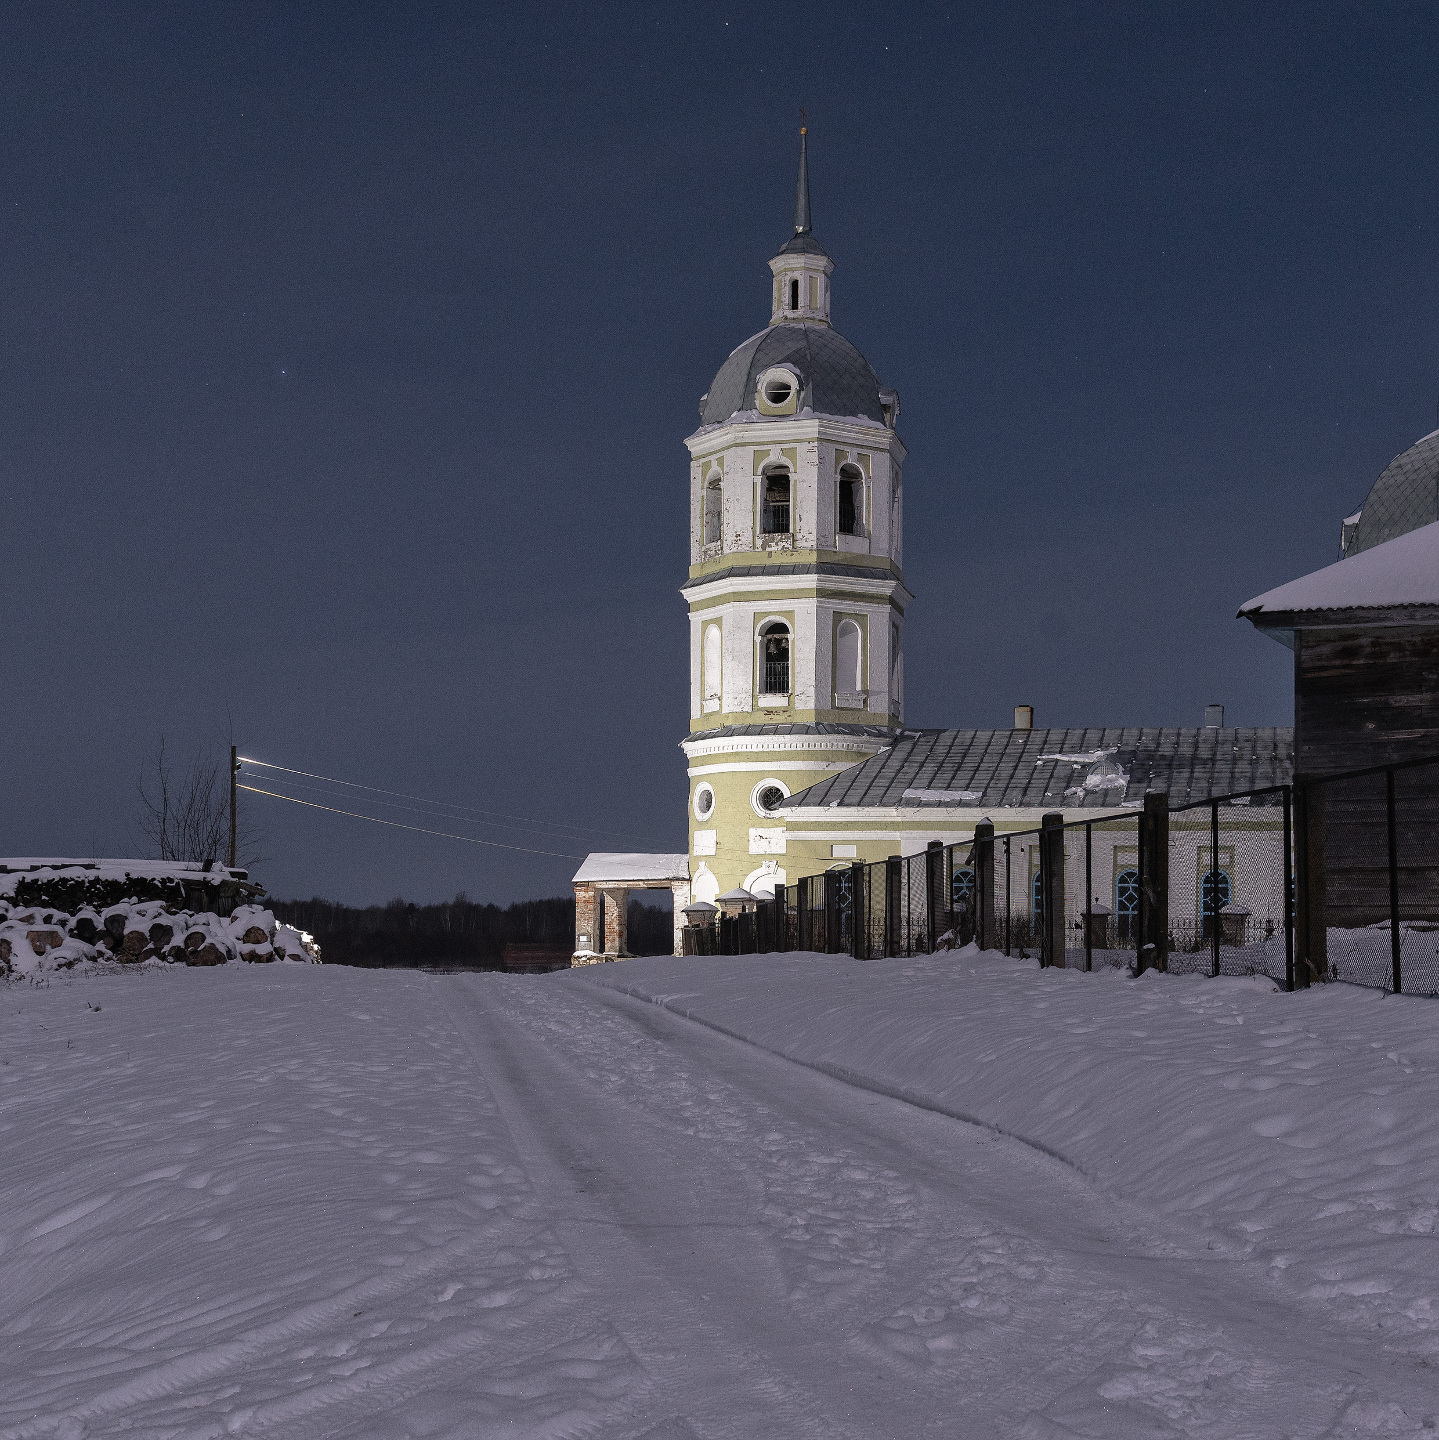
(1298, 1130)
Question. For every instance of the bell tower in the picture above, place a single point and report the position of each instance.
(796, 590)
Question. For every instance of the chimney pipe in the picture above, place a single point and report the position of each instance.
(1024, 717)
(1214, 717)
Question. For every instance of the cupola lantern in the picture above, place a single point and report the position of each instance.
(801, 269)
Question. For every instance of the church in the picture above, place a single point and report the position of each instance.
(798, 754)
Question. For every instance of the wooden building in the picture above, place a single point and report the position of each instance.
(1365, 637)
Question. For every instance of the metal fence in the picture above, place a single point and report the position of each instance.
(1368, 867)
(1333, 877)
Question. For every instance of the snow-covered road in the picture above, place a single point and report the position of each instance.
(341, 1203)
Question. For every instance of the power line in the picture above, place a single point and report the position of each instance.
(441, 812)
(375, 819)
(401, 795)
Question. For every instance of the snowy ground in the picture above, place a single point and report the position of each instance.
(311, 1201)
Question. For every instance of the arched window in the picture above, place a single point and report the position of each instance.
(851, 499)
(794, 294)
(774, 503)
(774, 658)
(1215, 892)
(1126, 905)
(1036, 896)
(961, 888)
(714, 498)
(712, 662)
(847, 670)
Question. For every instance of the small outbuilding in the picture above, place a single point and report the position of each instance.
(1365, 637)
(602, 899)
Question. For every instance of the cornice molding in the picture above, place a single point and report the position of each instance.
(792, 431)
(784, 744)
(883, 586)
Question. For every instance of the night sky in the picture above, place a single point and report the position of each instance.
(348, 352)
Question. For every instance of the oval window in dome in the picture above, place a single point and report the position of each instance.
(777, 391)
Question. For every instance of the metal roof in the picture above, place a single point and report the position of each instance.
(835, 378)
(1069, 768)
(1400, 575)
(1404, 497)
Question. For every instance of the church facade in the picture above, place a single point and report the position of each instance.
(798, 754)
(796, 590)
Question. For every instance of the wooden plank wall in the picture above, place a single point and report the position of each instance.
(1371, 697)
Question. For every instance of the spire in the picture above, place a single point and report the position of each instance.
(801, 191)
(801, 269)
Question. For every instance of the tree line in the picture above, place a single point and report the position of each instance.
(456, 933)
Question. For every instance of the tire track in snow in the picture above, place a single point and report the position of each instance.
(688, 1280)
(1204, 1335)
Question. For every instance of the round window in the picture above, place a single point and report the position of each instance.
(704, 802)
(768, 796)
(777, 391)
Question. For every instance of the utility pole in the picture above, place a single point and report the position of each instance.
(234, 772)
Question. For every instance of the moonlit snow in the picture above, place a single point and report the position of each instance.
(791, 1196)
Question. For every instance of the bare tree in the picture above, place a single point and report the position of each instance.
(185, 812)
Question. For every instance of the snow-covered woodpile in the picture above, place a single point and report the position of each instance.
(56, 914)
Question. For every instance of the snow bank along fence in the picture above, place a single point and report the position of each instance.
(1333, 877)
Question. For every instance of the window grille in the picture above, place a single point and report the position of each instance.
(1126, 905)
(776, 661)
(774, 512)
(712, 509)
(851, 499)
(1216, 890)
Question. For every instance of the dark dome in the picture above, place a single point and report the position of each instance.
(1404, 497)
(836, 378)
(803, 245)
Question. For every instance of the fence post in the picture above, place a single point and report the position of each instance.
(1214, 920)
(801, 914)
(1288, 887)
(831, 913)
(1393, 877)
(1088, 896)
(1311, 942)
(984, 929)
(1051, 889)
(933, 877)
(858, 920)
(1007, 906)
(1154, 882)
(781, 918)
(892, 883)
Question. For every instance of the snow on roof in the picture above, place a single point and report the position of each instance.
(119, 868)
(1401, 571)
(13, 870)
(617, 867)
(1022, 769)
